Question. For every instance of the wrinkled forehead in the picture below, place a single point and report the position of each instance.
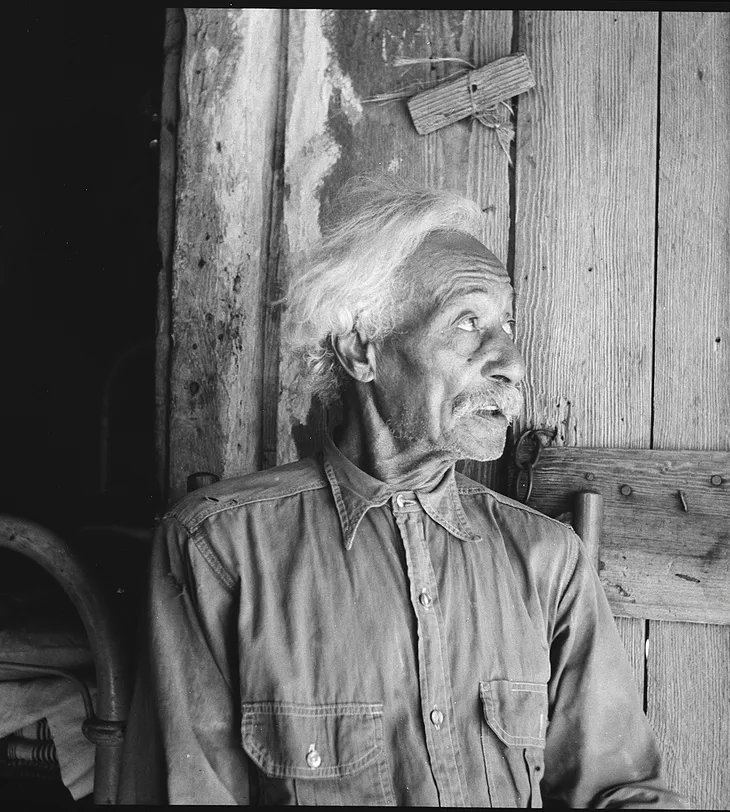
(453, 258)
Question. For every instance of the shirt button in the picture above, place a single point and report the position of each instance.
(425, 599)
(436, 718)
(400, 501)
(313, 758)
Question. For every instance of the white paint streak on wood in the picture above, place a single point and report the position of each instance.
(311, 153)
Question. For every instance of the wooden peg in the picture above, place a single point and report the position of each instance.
(587, 516)
(470, 94)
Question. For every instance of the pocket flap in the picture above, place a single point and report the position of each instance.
(288, 740)
(516, 711)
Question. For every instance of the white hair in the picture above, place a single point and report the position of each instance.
(350, 280)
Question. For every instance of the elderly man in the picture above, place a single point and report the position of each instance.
(369, 626)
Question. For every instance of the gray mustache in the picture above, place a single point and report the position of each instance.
(504, 397)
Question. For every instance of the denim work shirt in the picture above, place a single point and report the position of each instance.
(316, 637)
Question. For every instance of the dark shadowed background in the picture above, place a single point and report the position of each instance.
(78, 264)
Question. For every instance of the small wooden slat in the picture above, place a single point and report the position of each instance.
(658, 560)
(475, 92)
(688, 706)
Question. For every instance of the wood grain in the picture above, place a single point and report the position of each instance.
(657, 560)
(337, 61)
(174, 36)
(691, 391)
(584, 275)
(584, 229)
(688, 682)
(689, 697)
(476, 92)
(228, 100)
(632, 633)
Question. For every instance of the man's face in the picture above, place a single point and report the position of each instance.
(446, 377)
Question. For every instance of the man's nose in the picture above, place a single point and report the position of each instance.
(503, 361)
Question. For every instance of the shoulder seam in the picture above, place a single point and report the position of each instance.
(209, 556)
(198, 518)
(517, 506)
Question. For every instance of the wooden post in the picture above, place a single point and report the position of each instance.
(174, 34)
(229, 79)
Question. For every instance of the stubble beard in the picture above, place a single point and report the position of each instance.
(458, 442)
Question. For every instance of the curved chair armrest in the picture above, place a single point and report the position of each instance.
(59, 560)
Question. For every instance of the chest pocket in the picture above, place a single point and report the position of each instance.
(318, 754)
(513, 740)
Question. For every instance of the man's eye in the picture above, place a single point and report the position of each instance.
(469, 324)
(509, 327)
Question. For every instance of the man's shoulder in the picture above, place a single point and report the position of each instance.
(237, 492)
(546, 547)
(467, 487)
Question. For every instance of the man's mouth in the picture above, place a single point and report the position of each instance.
(488, 413)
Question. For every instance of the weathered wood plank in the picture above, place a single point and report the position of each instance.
(691, 392)
(657, 560)
(584, 229)
(174, 35)
(688, 682)
(585, 223)
(271, 336)
(338, 59)
(633, 635)
(688, 701)
(228, 99)
(472, 94)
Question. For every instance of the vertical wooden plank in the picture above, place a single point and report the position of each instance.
(632, 633)
(338, 61)
(688, 683)
(692, 407)
(688, 700)
(584, 232)
(585, 224)
(174, 35)
(228, 99)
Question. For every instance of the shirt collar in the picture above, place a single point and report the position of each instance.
(355, 492)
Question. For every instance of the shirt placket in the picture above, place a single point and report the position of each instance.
(433, 676)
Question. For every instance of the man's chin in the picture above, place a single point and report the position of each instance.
(483, 442)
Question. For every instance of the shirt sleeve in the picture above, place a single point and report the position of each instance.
(183, 737)
(600, 751)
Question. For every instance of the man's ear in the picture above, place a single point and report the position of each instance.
(356, 354)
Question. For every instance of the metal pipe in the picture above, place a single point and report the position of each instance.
(587, 515)
(112, 701)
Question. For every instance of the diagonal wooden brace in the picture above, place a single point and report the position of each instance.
(471, 94)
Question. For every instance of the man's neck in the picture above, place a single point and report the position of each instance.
(370, 445)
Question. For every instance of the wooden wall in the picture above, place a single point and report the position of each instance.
(613, 221)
